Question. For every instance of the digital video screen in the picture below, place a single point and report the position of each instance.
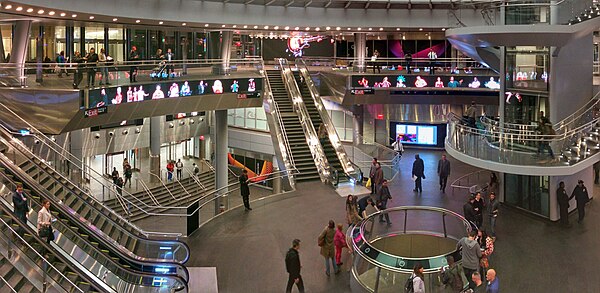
(172, 89)
(425, 81)
(417, 134)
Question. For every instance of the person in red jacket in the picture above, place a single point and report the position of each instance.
(339, 241)
(170, 169)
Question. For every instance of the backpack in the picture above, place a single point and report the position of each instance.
(408, 286)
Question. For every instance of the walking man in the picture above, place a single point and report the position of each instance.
(418, 173)
(245, 189)
(581, 196)
(133, 56)
(127, 172)
(443, 171)
(563, 204)
(327, 248)
(378, 179)
(372, 174)
(179, 166)
(292, 264)
(115, 175)
(493, 213)
(383, 195)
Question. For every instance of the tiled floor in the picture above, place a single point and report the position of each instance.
(248, 248)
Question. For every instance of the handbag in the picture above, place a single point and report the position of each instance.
(46, 232)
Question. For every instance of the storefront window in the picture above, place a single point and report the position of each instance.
(94, 38)
(522, 13)
(200, 46)
(6, 38)
(530, 193)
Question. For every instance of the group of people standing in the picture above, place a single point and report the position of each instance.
(580, 193)
(118, 181)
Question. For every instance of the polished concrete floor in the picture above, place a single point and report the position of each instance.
(248, 248)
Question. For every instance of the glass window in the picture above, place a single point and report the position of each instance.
(94, 38)
(6, 38)
(527, 67)
(522, 13)
(116, 44)
(530, 193)
(139, 40)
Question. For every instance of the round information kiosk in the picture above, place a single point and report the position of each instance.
(384, 255)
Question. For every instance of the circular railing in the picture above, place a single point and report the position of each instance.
(378, 265)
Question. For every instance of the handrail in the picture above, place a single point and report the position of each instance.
(284, 136)
(163, 184)
(17, 236)
(195, 178)
(456, 182)
(309, 130)
(327, 122)
(183, 187)
(7, 284)
(147, 190)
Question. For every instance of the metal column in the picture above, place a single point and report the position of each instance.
(360, 52)
(276, 181)
(76, 148)
(39, 55)
(221, 145)
(19, 49)
(155, 137)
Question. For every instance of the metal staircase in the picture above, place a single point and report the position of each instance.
(299, 147)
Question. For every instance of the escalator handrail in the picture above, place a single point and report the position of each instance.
(76, 162)
(97, 231)
(113, 245)
(328, 123)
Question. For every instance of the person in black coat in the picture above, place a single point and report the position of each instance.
(563, 203)
(92, 64)
(245, 189)
(383, 195)
(581, 196)
(20, 203)
(292, 265)
(443, 171)
(469, 211)
(418, 171)
(478, 205)
(133, 56)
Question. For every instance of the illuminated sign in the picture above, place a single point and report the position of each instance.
(95, 111)
(424, 81)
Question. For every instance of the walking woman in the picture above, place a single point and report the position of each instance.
(327, 247)
(352, 216)
(418, 279)
(44, 222)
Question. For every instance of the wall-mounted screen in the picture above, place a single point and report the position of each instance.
(251, 87)
(425, 81)
(417, 134)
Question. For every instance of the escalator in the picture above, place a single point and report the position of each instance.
(301, 152)
(12, 276)
(316, 120)
(103, 258)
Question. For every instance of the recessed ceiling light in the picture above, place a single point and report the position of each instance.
(92, 17)
(19, 8)
(206, 25)
(296, 28)
(318, 29)
(223, 25)
(115, 19)
(161, 22)
(328, 28)
(338, 28)
(370, 28)
(184, 24)
(421, 29)
(349, 28)
(73, 15)
(307, 28)
(397, 28)
(266, 27)
(359, 29)
(234, 26)
(63, 14)
(137, 21)
(287, 28)
(276, 27)
(41, 11)
(51, 13)
(256, 26)
(245, 26)
(8, 6)
(443, 29)
(30, 10)
(380, 28)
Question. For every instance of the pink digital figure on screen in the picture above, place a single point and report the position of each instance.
(439, 82)
(158, 93)
(251, 85)
(420, 82)
(385, 82)
(363, 82)
(174, 90)
(141, 94)
(118, 97)
(104, 98)
(129, 95)
(217, 87)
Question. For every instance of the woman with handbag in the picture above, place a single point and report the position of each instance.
(44, 222)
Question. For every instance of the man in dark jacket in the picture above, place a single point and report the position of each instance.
(469, 211)
(245, 189)
(418, 172)
(383, 195)
(20, 203)
(563, 203)
(78, 76)
(292, 264)
(133, 56)
(492, 210)
(378, 178)
(443, 171)
(92, 64)
(372, 174)
(581, 196)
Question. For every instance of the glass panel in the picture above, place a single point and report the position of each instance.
(348, 136)
(262, 125)
(528, 192)
(524, 14)
(348, 120)
(94, 38)
(116, 44)
(527, 67)
(260, 113)
(337, 117)
(139, 40)
(6, 38)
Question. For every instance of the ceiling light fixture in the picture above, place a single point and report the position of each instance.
(234, 26)
(420, 29)
(338, 28)
(30, 10)
(19, 8)
(184, 24)
(397, 28)
(161, 22)
(318, 29)
(92, 17)
(328, 28)
(138, 21)
(73, 15)
(115, 19)
(360, 29)
(63, 14)
(8, 6)
(266, 27)
(245, 26)
(287, 28)
(41, 11)
(276, 27)
(307, 28)
(380, 28)
(256, 26)
(51, 13)
(223, 25)
(296, 28)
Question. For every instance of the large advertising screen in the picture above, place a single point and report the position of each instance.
(417, 134)
(425, 81)
(249, 87)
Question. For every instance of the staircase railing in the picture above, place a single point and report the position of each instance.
(280, 142)
(309, 130)
(148, 192)
(195, 178)
(332, 133)
(159, 178)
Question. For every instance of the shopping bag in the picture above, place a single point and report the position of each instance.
(368, 183)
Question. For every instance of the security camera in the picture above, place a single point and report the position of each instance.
(181, 122)
(171, 125)
(112, 133)
(125, 131)
(37, 141)
(97, 135)
(201, 119)
(192, 121)
(137, 130)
